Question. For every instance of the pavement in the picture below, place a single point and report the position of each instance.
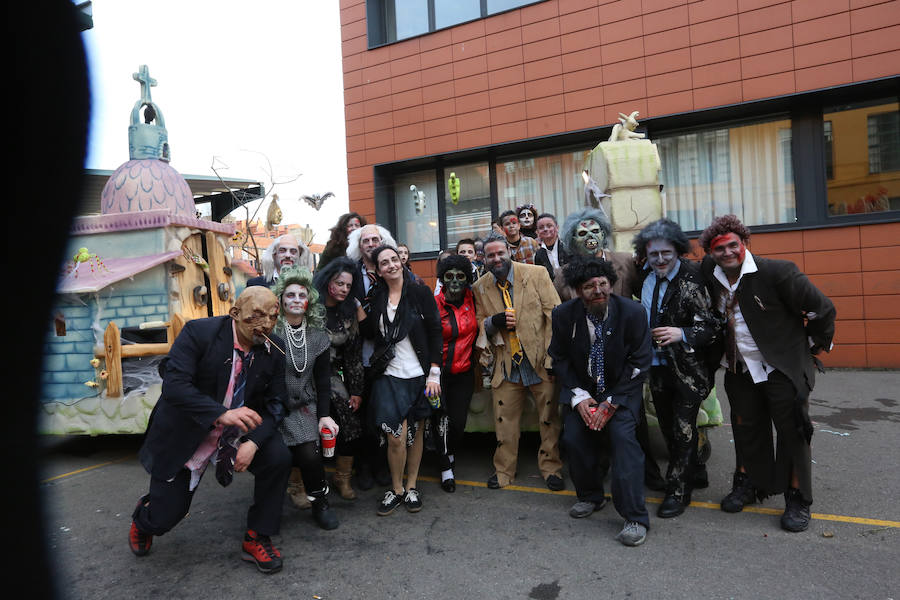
(517, 542)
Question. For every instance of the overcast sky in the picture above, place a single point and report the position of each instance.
(240, 81)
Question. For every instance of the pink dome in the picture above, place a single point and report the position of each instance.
(147, 184)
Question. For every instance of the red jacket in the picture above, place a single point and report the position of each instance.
(459, 327)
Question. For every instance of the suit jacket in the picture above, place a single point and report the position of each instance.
(626, 357)
(533, 298)
(261, 281)
(773, 302)
(686, 304)
(542, 257)
(196, 379)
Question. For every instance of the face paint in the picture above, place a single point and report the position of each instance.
(510, 226)
(339, 287)
(287, 254)
(547, 230)
(728, 251)
(295, 300)
(496, 259)
(595, 294)
(352, 225)
(467, 250)
(526, 218)
(661, 256)
(369, 240)
(454, 282)
(254, 312)
(588, 237)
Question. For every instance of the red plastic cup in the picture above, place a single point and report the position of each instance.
(328, 442)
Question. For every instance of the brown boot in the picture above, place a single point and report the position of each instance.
(343, 468)
(296, 491)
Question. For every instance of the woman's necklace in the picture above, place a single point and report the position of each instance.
(297, 339)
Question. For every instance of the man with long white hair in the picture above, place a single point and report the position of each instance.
(286, 251)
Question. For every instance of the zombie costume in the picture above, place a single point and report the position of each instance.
(346, 372)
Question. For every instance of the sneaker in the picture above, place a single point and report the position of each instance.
(585, 508)
(258, 549)
(633, 534)
(412, 501)
(138, 541)
(796, 511)
(389, 503)
(555, 483)
(742, 493)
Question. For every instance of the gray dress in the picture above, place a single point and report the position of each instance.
(306, 388)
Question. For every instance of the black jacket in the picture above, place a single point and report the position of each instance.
(194, 386)
(627, 355)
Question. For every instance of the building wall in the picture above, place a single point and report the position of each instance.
(566, 65)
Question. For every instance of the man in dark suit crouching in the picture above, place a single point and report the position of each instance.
(222, 398)
(601, 356)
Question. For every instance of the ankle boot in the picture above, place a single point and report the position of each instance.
(296, 491)
(742, 493)
(678, 497)
(343, 468)
(321, 512)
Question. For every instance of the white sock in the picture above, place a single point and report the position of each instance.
(451, 458)
(448, 474)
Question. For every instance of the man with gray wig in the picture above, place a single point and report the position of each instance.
(286, 251)
(682, 327)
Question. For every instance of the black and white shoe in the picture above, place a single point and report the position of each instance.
(412, 501)
(390, 502)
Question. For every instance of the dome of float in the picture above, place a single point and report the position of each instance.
(147, 184)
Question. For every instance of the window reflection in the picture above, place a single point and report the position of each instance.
(470, 217)
(552, 183)
(864, 141)
(451, 12)
(419, 231)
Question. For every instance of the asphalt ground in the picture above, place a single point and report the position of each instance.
(518, 542)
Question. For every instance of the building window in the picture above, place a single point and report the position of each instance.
(394, 20)
(865, 144)
(552, 183)
(470, 216)
(418, 230)
(744, 170)
(829, 150)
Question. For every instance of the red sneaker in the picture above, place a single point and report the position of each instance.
(138, 541)
(259, 549)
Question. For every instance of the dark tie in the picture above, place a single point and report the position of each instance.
(597, 368)
(654, 304)
(227, 449)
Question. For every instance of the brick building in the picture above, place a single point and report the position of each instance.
(782, 112)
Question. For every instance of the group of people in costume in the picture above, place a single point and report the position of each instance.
(364, 349)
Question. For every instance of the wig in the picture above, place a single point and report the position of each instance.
(326, 274)
(583, 268)
(353, 241)
(304, 259)
(721, 226)
(456, 261)
(570, 226)
(663, 229)
(315, 312)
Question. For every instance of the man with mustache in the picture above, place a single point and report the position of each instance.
(601, 356)
(222, 398)
(776, 321)
(283, 253)
(513, 303)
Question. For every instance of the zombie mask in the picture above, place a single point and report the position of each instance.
(254, 312)
(661, 256)
(454, 283)
(588, 237)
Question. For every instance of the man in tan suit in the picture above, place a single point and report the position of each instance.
(514, 302)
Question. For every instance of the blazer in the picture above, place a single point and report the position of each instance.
(533, 298)
(196, 378)
(425, 333)
(626, 359)
(542, 257)
(774, 302)
(686, 304)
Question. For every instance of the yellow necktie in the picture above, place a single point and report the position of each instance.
(515, 348)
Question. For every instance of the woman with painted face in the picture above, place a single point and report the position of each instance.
(459, 328)
(337, 244)
(404, 324)
(528, 217)
(301, 326)
(333, 284)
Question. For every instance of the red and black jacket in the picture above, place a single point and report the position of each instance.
(459, 327)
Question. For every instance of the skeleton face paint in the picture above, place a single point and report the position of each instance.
(661, 256)
(254, 312)
(295, 301)
(526, 218)
(454, 283)
(588, 237)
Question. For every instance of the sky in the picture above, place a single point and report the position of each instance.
(241, 84)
